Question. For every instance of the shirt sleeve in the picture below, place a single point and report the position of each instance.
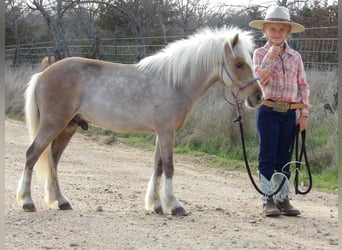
(303, 88)
(262, 65)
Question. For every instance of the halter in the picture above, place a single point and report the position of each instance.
(235, 95)
(233, 82)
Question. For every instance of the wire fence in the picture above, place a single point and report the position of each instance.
(318, 53)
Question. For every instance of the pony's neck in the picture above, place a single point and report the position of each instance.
(198, 86)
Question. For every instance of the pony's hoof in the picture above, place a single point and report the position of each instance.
(65, 206)
(179, 211)
(29, 207)
(158, 210)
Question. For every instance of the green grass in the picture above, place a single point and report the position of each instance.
(15, 117)
(142, 140)
(326, 181)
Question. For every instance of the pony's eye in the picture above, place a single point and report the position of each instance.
(239, 65)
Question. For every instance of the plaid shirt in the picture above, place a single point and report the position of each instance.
(284, 78)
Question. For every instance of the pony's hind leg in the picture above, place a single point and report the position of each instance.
(44, 154)
(152, 199)
(52, 189)
(24, 186)
(37, 154)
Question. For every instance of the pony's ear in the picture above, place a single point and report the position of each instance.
(228, 50)
(235, 40)
(228, 47)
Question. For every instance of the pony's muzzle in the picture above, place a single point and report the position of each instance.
(260, 97)
(255, 100)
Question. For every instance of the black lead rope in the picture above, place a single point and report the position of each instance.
(299, 157)
(297, 161)
(239, 120)
(248, 167)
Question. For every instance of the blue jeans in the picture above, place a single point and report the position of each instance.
(276, 135)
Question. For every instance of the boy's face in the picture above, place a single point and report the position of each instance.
(276, 33)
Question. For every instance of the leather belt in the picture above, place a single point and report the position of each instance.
(282, 106)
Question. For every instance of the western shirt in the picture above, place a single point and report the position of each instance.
(282, 79)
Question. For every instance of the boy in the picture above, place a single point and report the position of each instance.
(283, 79)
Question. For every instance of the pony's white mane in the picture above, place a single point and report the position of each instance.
(204, 49)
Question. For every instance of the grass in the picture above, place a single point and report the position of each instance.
(326, 181)
(14, 116)
(141, 140)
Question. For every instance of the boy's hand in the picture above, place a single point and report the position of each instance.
(302, 121)
(273, 52)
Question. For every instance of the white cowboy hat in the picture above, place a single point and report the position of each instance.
(277, 14)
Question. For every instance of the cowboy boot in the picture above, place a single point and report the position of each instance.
(270, 209)
(286, 208)
(282, 197)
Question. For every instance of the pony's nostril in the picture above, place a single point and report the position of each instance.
(260, 96)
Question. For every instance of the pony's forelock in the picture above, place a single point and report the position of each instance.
(204, 49)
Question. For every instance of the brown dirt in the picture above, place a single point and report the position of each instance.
(106, 186)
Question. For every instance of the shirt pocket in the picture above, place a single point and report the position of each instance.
(291, 72)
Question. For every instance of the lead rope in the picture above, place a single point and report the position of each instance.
(249, 169)
(298, 156)
(299, 162)
(239, 120)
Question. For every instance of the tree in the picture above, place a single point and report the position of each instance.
(192, 14)
(164, 20)
(139, 19)
(83, 20)
(54, 12)
(16, 27)
(317, 15)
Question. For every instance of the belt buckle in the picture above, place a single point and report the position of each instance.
(281, 106)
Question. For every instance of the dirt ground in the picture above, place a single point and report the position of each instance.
(106, 186)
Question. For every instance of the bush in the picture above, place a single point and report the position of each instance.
(322, 138)
(15, 83)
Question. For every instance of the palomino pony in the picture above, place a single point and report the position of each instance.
(155, 95)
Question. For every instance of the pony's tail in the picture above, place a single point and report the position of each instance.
(31, 108)
(45, 162)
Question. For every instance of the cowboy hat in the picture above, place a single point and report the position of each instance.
(277, 14)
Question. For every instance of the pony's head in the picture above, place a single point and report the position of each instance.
(222, 54)
(237, 71)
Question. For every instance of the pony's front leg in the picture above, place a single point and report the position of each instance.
(152, 198)
(169, 200)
